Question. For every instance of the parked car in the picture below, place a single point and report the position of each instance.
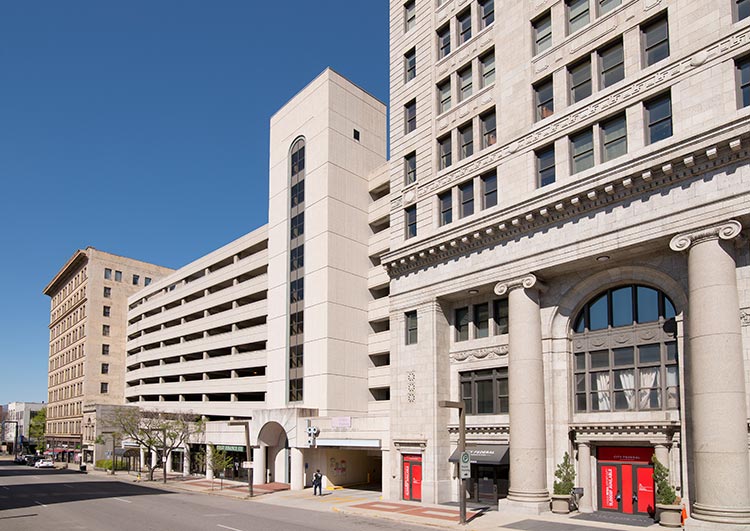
(44, 463)
(20, 459)
(32, 459)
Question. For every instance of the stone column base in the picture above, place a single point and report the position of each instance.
(691, 524)
(513, 506)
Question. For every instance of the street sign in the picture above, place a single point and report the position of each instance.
(464, 466)
(247, 464)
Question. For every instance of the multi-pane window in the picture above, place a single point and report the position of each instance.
(105, 350)
(106, 311)
(118, 276)
(485, 392)
(614, 138)
(489, 189)
(463, 23)
(107, 293)
(107, 274)
(500, 315)
(542, 32)
(464, 83)
(410, 16)
(297, 258)
(296, 390)
(582, 150)
(466, 199)
(410, 116)
(105, 368)
(444, 41)
(296, 323)
(444, 95)
(105, 330)
(445, 201)
(444, 151)
(659, 118)
(104, 388)
(580, 80)
(544, 98)
(297, 290)
(489, 129)
(655, 41)
(298, 193)
(410, 168)
(611, 64)
(297, 225)
(410, 65)
(410, 215)
(482, 320)
(743, 81)
(578, 14)
(296, 356)
(487, 69)
(461, 323)
(545, 163)
(742, 9)
(411, 327)
(486, 13)
(466, 138)
(606, 6)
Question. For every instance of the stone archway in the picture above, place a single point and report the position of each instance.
(271, 456)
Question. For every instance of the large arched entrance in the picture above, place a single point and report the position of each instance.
(271, 456)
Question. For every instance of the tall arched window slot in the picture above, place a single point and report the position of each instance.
(625, 352)
(296, 269)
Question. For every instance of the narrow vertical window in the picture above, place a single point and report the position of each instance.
(466, 199)
(489, 129)
(580, 80)
(486, 13)
(743, 81)
(489, 190)
(445, 201)
(544, 98)
(410, 168)
(742, 9)
(464, 27)
(410, 116)
(410, 16)
(444, 151)
(444, 96)
(614, 138)
(118, 276)
(464, 83)
(411, 328)
(444, 41)
(659, 118)
(582, 150)
(578, 14)
(487, 69)
(461, 324)
(107, 274)
(545, 162)
(466, 137)
(500, 316)
(655, 41)
(611, 64)
(542, 32)
(481, 320)
(410, 65)
(410, 217)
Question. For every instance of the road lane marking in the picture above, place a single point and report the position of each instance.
(70, 487)
(218, 514)
(39, 503)
(6, 488)
(226, 527)
(123, 501)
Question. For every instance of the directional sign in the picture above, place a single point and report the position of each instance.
(464, 466)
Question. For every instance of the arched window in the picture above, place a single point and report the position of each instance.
(625, 352)
(296, 269)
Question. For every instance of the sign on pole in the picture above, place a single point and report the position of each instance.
(247, 464)
(464, 466)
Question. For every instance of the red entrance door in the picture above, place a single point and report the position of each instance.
(626, 485)
(412, 474)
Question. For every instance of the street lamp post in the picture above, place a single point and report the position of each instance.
(461, 450)
(248, 456)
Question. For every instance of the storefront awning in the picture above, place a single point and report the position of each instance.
(484, 454)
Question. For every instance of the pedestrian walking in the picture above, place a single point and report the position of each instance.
(317, 483)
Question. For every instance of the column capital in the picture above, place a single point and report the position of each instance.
(527, 282)
(725, 231)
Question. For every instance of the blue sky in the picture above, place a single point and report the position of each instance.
(141, 128)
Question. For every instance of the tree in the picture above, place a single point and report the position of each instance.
(215, 460)
(566, 477)
(38, 427)
(156, 431)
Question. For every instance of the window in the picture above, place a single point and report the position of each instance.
(297, 258)
(297, 290)
(298, 193)
(105, 330)
(118, 276)
(146, 281)
(500, 315)
(487, 69)
(611, 64)
(444, 41)
(297, 225)
(489, 129)
(545, 162)
(355, 134)
(104, 388)
(466, 199)
(464, 83)
(105, 350)
(106, 311)
(614, 138)
(655, 41)
(481, 320)
(296, 390)
(136, 280)
(578, 14)
(444, 151)
(446, 207)
(410, 16)
(544, 98)
(463, 22)
(444, 96)
(605, 6)
(410, 65)
(105, 368)
(489, 190)
(296, 356)
(486, 13)
(582, 150)
(743, 80)
(107, 274)
(411, 221)
(742, 9)
(485, 392)
(580, 80)
(411, 327)
(466, 137)
(296, 323)
(542, 32)
(107, 293)
(410, 116)
(410, 168)
(461, 323)
(659, 118)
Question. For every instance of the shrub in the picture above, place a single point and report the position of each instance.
(665, 494)
(106, 464)
(566, 476)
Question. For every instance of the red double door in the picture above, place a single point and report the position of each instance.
(626, 480)
(412, 477)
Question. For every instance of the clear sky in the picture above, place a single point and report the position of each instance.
(140, 127)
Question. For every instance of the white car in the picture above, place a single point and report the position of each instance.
(45, 463)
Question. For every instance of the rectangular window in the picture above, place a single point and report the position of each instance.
(580, 80)
(444, 96)
(582, 150)
(107, 293)
(542, 32)
(461, 324)
(614, 138)
(410, 116)
(296, 323)
(655, 41)
(500, 316)
(489, 190)
(486, 13)
(410, 16)
(481, 320)
(611, 64)
(410, 168)
(659, 118)
(464, 83)
(742, 9)
(446, 207)
(605, 6)
(104, 388)
(146, 281)
(489, 129)
(463, 22)
(743, 80)
(105, 330)
(296, 356)
(106, 311)
(578, 14)
(297, 258)
(105, 350)
(296, 390)
(107, 274)
(444, 151)
(487, 69)
(105, 368)
(485, 392)
(297, 226)
(410, 213)
(466, 199)
(466, 137)
(444, 41)
(544, 98)
(411, 327)
(297, 290)
(118, 276)
(545, 162)
(136, 280)
(410, 65)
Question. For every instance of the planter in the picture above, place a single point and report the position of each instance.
(669, 515)
(561, 503)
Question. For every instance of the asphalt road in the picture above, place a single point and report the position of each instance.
(34, 500)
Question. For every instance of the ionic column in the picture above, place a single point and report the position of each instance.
(297, 473)
(715, 379)
(585, 504)
(528, 448)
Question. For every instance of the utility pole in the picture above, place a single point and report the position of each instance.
(164, 453)
(461, 450)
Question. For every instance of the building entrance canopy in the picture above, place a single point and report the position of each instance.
(484, 454)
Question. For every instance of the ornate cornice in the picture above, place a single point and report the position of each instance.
(526, 282)
(480, 353)
(725, 231)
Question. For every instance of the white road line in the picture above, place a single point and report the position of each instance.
(6, 488)
(217, 514)
(226, 527)
(39, 503)
(70, 487)
(123, 501)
